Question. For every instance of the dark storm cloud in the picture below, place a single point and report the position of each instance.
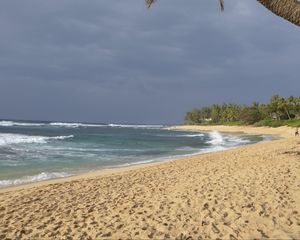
(116, 61)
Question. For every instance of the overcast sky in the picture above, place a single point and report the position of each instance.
(117, 61)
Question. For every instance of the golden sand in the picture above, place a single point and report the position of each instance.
(283, 131)
(251, 192)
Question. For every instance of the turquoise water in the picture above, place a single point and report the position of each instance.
(35, 151)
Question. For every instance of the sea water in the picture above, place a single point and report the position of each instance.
(36, 151)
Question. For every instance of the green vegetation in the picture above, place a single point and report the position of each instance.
(279, 111)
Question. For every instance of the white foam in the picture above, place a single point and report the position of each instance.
(61, 137)
(187, 149)
(134, 163)
(134, 126)
(74, 125)
(192, 135)
(226, 140)
(216, 138)
(12, 123)
(8, 138)
(35, 178)
(235, 141)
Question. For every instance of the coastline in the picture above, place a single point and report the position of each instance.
(182, 193)
(282, 133)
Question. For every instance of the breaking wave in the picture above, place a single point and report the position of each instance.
(8, 138)
(12, 123)
(74, 125)
(134, 126)
(36, 178)
(217, 139)
(192, 135)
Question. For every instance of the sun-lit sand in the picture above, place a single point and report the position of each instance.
(251, 192)
(284, 132)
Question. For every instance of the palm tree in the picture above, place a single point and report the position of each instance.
(287, 9)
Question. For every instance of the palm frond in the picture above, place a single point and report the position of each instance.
(222, 4)
(149, 2)
(287, 9)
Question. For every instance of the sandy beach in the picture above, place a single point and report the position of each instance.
(282, 132)
(251, 192)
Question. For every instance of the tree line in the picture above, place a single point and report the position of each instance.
(278, 109)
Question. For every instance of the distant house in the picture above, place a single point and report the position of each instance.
(207, 119)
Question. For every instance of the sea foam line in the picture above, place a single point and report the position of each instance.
(5, 123)
(9, 138)
(12, 123)
(35, 178)
(134, 126)
(74, 125)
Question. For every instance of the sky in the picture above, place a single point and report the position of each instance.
(116, 61)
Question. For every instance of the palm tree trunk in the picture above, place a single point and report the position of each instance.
(287, 113)
(287, 9)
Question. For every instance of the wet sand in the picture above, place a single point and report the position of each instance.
(251, 192)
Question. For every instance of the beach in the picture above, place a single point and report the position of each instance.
(250, 192)
(281, 132)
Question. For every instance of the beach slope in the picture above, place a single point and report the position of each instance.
(251, 192)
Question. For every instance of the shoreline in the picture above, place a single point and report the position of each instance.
(118, 169)
(249, 192)
(282, 132)
(85, 175)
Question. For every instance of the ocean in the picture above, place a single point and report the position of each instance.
(37, 151)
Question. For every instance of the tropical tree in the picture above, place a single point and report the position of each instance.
(194, 116)
(264, 111)
(278, 108)
(285, 107)
(206, 113)
(293, 105)
(275, 107)
(287, 9)
(250, 115)
(215, 113)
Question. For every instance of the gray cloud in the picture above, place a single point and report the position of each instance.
(116, 61)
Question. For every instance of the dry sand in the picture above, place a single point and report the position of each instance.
(284, 132)
(251, 192)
